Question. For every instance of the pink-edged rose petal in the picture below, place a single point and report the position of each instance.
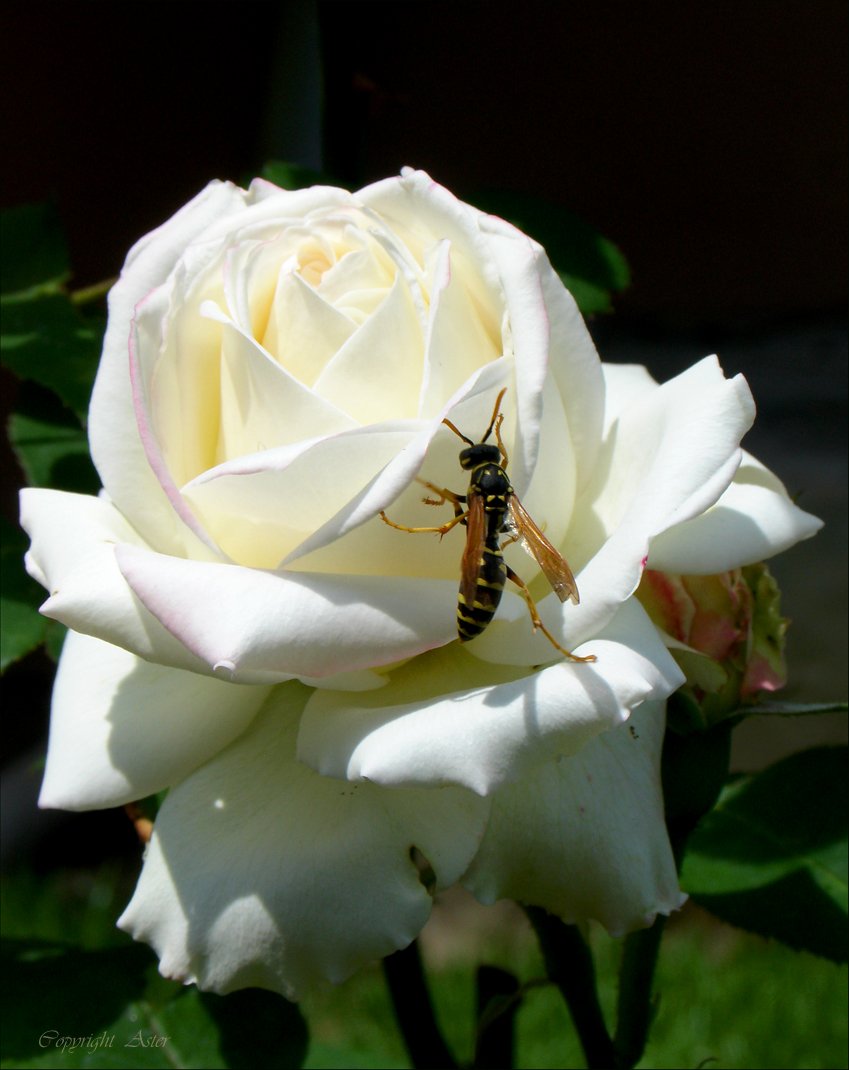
(255, 626)
(73, 554)
(116, 445)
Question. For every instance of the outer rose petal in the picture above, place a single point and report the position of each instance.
(585, 837)
(74, 539)
(664, 461)
(261, 873)
(548, 334)
(753, 520)
(625, 385)
(121, 728)
(447, 718)
(115, 443)
(262, 627)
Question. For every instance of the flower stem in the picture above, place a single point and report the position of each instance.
(414, 1011)
(635, 1006)
(569, 964)
(498, 1000)
(86, 294)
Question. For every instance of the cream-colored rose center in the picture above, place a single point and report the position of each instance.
(328, 332)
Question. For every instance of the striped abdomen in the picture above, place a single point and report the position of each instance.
(480, 594)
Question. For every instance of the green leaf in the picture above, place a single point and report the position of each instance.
(591, 267)
(24, 628)
(50, 444)
(55, 639)
(46, 340)
(772, 856)
(295, 176)
(32, 248)
(122, 1014)
(694, 768)
(257, 1028)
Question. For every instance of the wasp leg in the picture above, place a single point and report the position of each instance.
(504, 458)
(460, 518)
(443, 496)
(537, 623)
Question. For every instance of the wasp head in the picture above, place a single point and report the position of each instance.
(480, 453)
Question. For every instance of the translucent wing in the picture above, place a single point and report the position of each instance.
(553, 564)
(475, 539)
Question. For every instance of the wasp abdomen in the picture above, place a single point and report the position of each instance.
(490, 483)
(492, 575)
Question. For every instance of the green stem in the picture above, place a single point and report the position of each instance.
(498, 1000)
(569, 964)
(86, 294)
(635, 1007)
(414, 1011)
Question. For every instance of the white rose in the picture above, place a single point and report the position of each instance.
(275, 372)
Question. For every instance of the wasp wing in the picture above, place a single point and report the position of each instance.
(470, 566)
(549, 559)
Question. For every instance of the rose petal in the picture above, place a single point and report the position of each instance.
(262, 507)
(474, 397)
(74, 539)
(417, 212)
(260, 627)
(672, 449)
(585, 836)
(270, 203)
(548, 332)
(255, 390)
(261, 873)
(176, 421)
(116, 446)
(527, 339)
(666, 459)
(122, 729)
(448, 719)
(550, 497)
(460, 338)
(625, 385)
(376, 375)
(304, 330)
(753, 520)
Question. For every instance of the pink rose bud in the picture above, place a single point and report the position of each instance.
(727, 633)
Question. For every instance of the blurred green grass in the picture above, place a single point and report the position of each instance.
(726, 999)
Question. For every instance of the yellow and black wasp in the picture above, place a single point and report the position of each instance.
(488, 511)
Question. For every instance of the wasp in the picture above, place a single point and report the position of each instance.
(489, 510)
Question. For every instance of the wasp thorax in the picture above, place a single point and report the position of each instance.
(481, 453)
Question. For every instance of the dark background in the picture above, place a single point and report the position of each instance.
(707, 140)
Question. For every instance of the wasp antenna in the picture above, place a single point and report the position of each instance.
(458, 433)
(494, 414)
